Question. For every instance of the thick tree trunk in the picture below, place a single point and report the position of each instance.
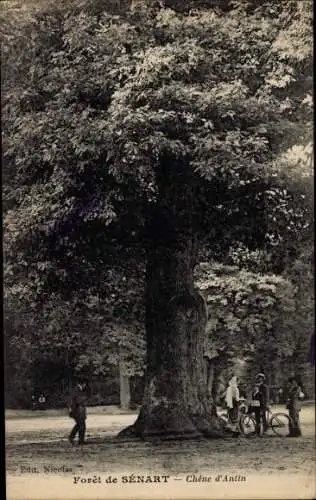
(210, 378)
(176, 403)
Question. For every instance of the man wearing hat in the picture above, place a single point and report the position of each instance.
(263, 389)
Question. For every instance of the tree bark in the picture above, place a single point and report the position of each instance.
(210, 378)
(175, 403)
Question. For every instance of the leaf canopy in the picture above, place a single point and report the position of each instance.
(101, 97)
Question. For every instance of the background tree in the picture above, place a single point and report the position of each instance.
(48, 350)
(250, 320)
(138, 133)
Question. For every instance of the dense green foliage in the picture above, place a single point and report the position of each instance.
(250, 309)
(98, 99)
(93, 102)
(263, 319)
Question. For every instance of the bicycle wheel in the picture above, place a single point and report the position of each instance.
(247, 425)
(280, 424)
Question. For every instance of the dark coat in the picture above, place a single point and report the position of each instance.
(258, 396)
(78, 404)
(294, 399)
(263, 389)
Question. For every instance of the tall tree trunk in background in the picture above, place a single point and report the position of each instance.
(125, 391)
(176, 403)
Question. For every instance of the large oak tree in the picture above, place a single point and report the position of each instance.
(137, 132)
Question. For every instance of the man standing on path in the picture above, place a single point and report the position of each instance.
(78, 413)
(263, 389)
(256, 407)
(294, 406)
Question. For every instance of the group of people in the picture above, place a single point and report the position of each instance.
(258, 404)
(39, 402)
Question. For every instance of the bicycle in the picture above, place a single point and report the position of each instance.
(279, 423)
(246, 422)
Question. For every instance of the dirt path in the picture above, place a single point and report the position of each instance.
(26, 430)
(41, 443)
(54, 428)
